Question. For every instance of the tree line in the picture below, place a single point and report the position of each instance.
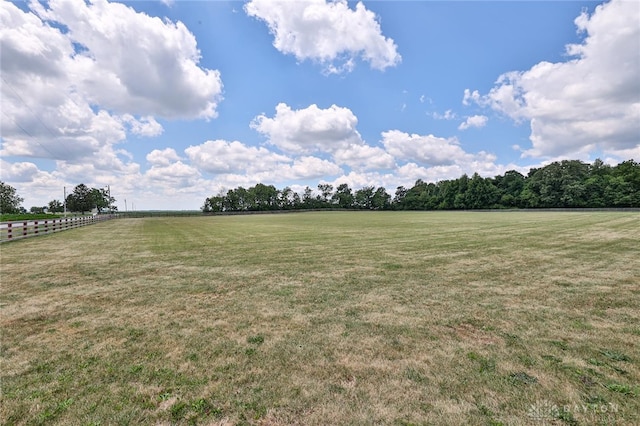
(82, 199)
(561, 184)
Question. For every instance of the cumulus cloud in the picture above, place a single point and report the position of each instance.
(364, 157)
(311, 129)
(589, 102)
(73, 83)
(18, 172)
(157, 75)
(432, 158)
(328, 32)
(163, 157)
(305, 167)
(145, 126)
(221, 156)
(474, 121)
(174, 173)
(426, 150)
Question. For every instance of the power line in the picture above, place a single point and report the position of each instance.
(29, 134)
(51, 132)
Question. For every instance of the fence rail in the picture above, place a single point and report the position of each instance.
(19, 229)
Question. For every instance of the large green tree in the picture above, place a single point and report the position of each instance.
(325, 196)
(510, 187)
(343, 197)
(380, 200)
(55, 206)
(9, 199)
(364, 197)
(81, 199)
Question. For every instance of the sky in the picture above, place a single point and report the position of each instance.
(167, 103)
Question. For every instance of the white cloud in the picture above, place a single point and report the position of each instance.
(474, 121)
(37, 187)
(304, 168)
(433, 158)
(328, 32)
(448, 115)
(425, 150)
(157, 75)
(309, 130)
(409, 173)
(470, 97)
(173, 173)
(364, 157)
(145, 126)
(358, 180)
(220, 156)
(590, 102)
(18, 172)
(66, 102)
(163, 157)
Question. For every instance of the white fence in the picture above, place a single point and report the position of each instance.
(18, 229)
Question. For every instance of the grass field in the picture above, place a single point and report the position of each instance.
(326, 318)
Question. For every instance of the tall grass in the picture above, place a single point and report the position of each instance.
(325, 318)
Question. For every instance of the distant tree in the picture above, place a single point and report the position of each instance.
(448, 193)
(364, 197)
(262, 197)
(101, 200)
(55, 206)
(214, 204)
(461, 199)
(627, 184)
(481, 193)
(307, 199)
(510, 188)
(343, 197)
(568, 183)
(297, 201)
(286, 199)
(236, 200)
(559, 184)
(380, 199)
(37, 210)
(411, 198)
(398, 198)
(9, 199)
(324, 197)
(81, 199)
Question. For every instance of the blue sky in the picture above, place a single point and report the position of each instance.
(171, 102)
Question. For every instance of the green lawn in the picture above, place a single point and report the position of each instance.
(323, 318)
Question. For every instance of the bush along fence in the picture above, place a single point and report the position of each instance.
(18, 229)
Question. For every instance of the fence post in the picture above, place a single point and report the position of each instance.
(24, 229)
(9, 230)
(46, 227)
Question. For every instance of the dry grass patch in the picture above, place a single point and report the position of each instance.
(325, 318)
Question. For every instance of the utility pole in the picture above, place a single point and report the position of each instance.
(65, 200)
(125, 205)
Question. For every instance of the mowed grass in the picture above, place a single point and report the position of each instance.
(339, 318)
